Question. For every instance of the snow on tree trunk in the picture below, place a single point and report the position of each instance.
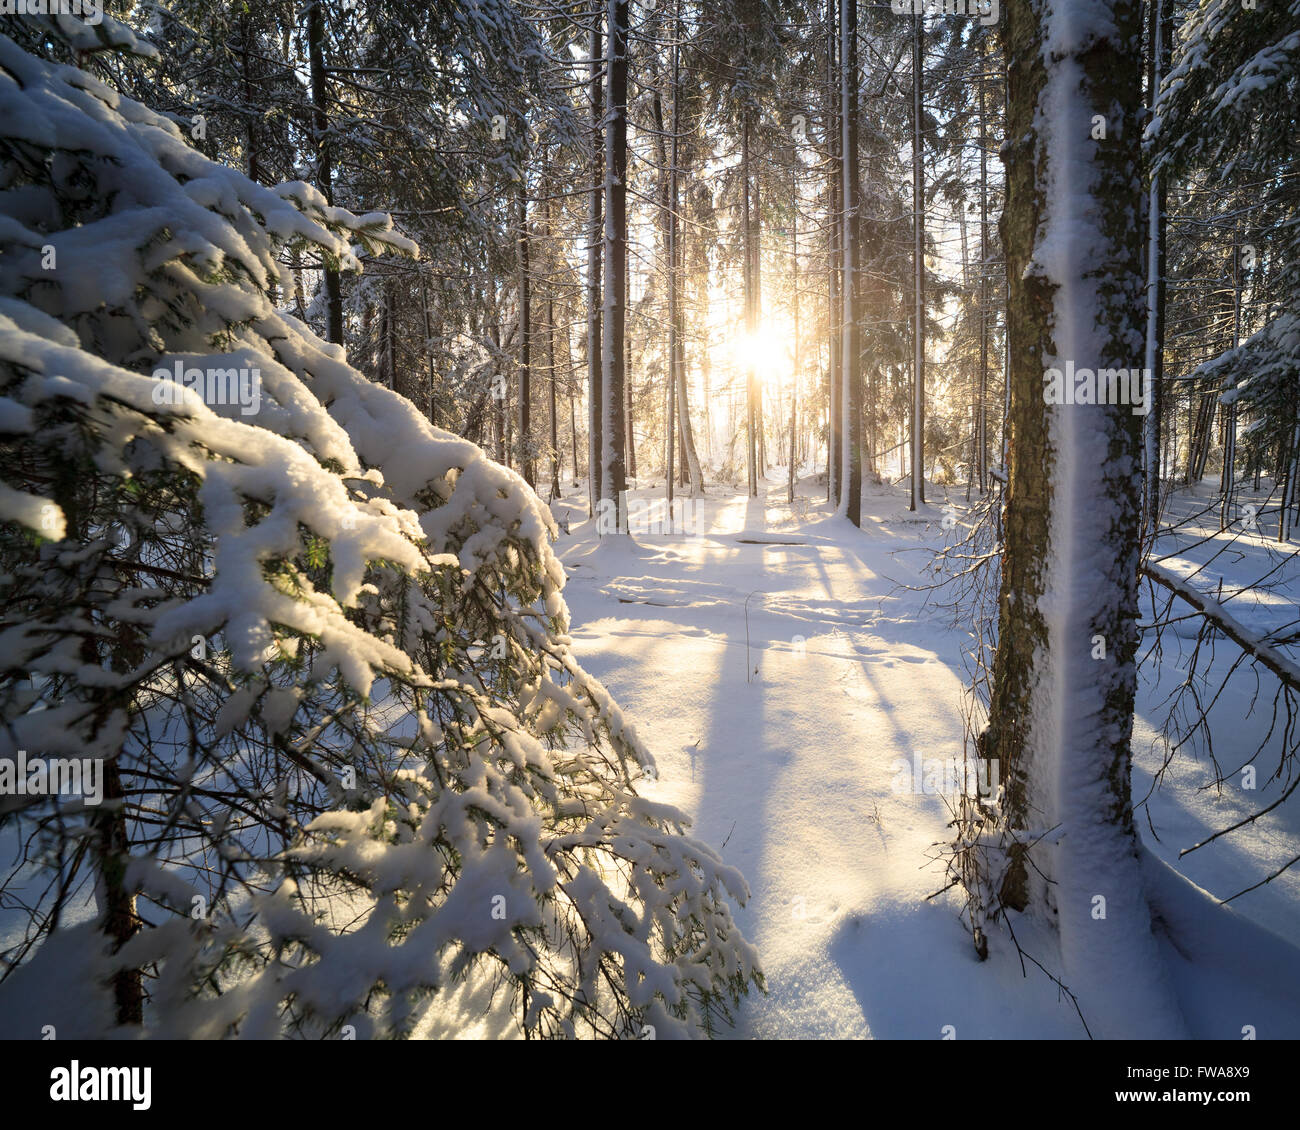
(1064, 675)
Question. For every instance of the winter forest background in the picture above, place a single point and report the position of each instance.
(529, 518)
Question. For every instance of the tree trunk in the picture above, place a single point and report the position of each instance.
(1060, 720)
(1228, 476)
(918, 269)
(428, 350)
(835, 238)
(246, 42)
(667, 203)
(613, 456)
(982, 410)
(116, 902)
(794, 372)
(628, 415)
(550, 358)
(388, 342)
(595, 377)
(850, 355)
(324, 155)
(573, 433)
(751, 318)
(525, 340)
(676, 318)
(1290, 471)
(498, 398)
(684, 429)
(1161, 26)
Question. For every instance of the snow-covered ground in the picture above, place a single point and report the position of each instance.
(804, 706)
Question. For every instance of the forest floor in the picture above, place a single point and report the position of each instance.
(803, 698)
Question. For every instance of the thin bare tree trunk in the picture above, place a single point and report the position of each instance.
(525, 438)
(751, 317)
(981, 430)
(1157, 260)
(918, 278)
(498, 398)
(555, 441)
(1228, 477)
(794, 373)
(835, 436)
(614, 455)
(595, 236)
(628, 391)
(324, 155)
(428, 350)
(850, 356)
(117, 908)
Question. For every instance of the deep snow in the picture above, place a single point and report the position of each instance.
(794, 755)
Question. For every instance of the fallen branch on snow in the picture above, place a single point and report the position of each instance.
(1286, 670)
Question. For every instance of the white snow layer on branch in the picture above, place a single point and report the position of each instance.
(382, 602)
(1248, 639)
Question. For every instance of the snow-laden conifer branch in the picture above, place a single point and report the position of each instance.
(356, 775)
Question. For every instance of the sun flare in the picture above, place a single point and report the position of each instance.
(767, 351)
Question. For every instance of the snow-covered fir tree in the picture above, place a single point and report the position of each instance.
(354, 780)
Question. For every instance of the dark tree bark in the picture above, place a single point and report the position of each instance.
(751, 313)
(629, 432)
(324, 155)
(918, 268)
(1160, 34)
(498, 399)
(120, 921)
(525, 339)
(595, 378)
(794, 378)
(555, 441)
(614, 454)
(834, 317)
(850, 355)
(981, 407)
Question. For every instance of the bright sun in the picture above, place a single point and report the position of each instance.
(767, 350)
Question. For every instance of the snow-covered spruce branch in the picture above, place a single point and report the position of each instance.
(354, 774)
